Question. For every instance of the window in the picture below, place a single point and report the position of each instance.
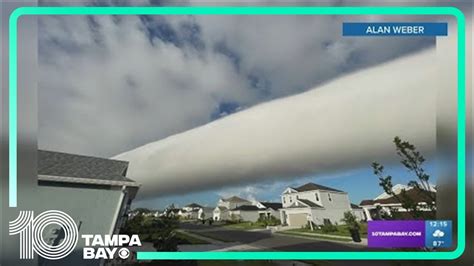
(284, 199)
(290, 199)
(329, 197)
(316, 196)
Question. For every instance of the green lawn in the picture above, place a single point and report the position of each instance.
(296, 233)
(342, 230)
(246, 226)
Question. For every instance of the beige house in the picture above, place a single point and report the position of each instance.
(315, 203)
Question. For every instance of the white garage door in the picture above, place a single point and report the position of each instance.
(297, 219)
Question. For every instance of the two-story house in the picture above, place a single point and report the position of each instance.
(221, 212)
(190, 211)
(313, 202)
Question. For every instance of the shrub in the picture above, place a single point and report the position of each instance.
(350, 220)
(328, 227)
(268, 221)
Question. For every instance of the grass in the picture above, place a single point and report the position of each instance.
(246, 226)
(295, 233)
(342, 230)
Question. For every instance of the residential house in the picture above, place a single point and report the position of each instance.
(359, 212)
(94, 191)
(385, 203)
(268, 209)
(171, 212)
(248, 213)
(312, 202)
(192, 207)
(190, 211)
(205, 213)
(221, 212)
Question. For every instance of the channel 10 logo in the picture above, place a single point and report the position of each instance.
(31, 229)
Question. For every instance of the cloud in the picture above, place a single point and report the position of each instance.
(108, 84)
(438, 233)
(113, 91)
(343, 124)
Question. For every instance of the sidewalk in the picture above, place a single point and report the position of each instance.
(324, 237)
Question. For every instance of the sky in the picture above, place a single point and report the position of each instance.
(360, 184)
(110, 84)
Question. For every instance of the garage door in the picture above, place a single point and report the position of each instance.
(297, 219)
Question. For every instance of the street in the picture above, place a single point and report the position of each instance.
(235, 239)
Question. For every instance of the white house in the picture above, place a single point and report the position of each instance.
(248, 213)
(312, 202)
(268, 209)
(192, 207)
(359, 212)
(190, 211)
(205, 213)
(221, 212)
(385, 203)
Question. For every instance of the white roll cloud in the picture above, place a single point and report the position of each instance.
(348, 122)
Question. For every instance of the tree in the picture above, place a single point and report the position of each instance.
(413, 161)
(158, 230)
(350, 220)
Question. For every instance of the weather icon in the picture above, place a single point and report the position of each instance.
(438, 233)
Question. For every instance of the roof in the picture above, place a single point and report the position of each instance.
(235, 199)
(398, 188)
(313, 186)
(310, 203)
(272, 205)
(193, 205)
(355, 206)
(247, 208)
(366, 202)
(414, 194)
(221, 208)
(59, 164)
(207, 208)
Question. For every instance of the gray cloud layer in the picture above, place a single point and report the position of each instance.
(348, 122)
(110, 84)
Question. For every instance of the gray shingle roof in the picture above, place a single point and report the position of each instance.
(247, 208)
(355, 206)
(51, 163)
(313, 186)
(272, 205)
